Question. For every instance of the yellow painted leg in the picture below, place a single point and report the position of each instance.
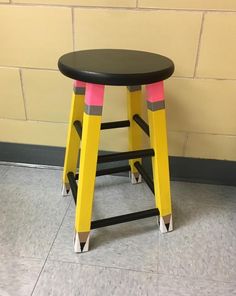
(134, 96)
(88, 164)
(160, 164)
(73, 140)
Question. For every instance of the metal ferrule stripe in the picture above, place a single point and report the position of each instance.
(132, 88)
(158, 105)
(79, 90)
(93, 110)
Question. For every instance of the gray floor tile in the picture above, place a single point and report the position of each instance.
(130, 245)
(18, 275)
(179, 286)
(31, 211)
(73, 279)
(203, 243)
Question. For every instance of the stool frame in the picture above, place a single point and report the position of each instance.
(85, 125)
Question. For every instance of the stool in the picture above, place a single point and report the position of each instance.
(91, 70)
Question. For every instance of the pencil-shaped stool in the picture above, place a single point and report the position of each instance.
(91, 71)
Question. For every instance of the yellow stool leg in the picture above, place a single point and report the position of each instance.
(73, 140)
(160, 164)
(134, 96)
(88, 164)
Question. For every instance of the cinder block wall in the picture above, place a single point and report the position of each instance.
(199, 35)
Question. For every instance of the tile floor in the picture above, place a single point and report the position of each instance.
(36, 231)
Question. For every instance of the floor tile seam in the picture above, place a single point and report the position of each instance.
(7, 256)
(102, 266)
(42, 166)
(45, 261)
(158, 260)
(210, 204)
(3, 174)
(30, 166)
(195, 278)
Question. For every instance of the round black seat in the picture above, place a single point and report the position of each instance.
(116, 66)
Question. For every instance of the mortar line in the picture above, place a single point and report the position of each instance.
(34, 121)
(203, 133)
(174, 131)
(173, 76)
(66, 6)
(28, 68)
(185, 143)
(73, 26)
(23, 94)
(116, 8)
(199, 45)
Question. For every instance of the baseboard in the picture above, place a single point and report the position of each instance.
(197, 170)
(181, 168)
(32, 154)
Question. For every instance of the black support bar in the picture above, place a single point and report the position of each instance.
(113, 170)
(115, 124)
(124, 218)
(73, 185)
(144, 175)
(125, 155)
(78, 127)
(144, 126)
(104, 125)
(109, 171)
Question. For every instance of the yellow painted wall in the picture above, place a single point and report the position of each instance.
(199, 35)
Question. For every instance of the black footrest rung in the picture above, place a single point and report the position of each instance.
(144, 126)
(115, 124)
(78, 127)
(113, 170)
(73, 185)
(125, 155)
(104, 125)
(144, 175)
(109, 171)
(124, 218)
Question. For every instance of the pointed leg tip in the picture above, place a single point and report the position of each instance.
(166, 224)
(135, 178)
(65, 190)
(81, 246)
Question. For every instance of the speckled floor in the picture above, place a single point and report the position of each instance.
(36, 231)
